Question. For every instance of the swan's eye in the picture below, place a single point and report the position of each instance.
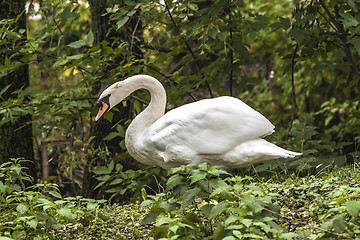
(103, 101)
(99, 104)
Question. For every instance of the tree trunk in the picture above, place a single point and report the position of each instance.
(102, 29)
(16, 135)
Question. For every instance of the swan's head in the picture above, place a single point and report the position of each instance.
(110, 97)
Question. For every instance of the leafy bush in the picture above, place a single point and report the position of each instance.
(209, 203)
(37, 210)
(114, 181)
(198, 202)
(201, 203)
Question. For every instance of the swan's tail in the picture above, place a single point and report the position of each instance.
(256, 151)
(261, 146)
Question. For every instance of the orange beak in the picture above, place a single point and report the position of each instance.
(103, 109)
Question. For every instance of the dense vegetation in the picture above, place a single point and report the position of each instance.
(294, 61)
(195, 203)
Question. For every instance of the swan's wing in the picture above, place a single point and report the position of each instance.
(211, 126)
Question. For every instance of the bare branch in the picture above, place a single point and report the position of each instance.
(293, 93)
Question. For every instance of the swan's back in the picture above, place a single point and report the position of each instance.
(210, 127)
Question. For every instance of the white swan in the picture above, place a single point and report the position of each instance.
(221, 131)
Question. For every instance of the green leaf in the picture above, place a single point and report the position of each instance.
(22, 208)
(92, 206)
(150, 217)
(173, 181)
(99, 185)
(111, 166)
(197, 175)
(355, 41)
(348, 20)
(32, 223)
(116, 190)
(77, 44)
(108, 116)
(89, 38)
(65, 212)
(223, 35)
(231, 219)
(100, 170)
(2, 187)
(110, 136)
(121, 130)
(285, 23)
(4, 90)
(246, 222)
(289, 235)
(218, 209)
(104, 178)
(55, 194)
(6, 238)
(206, 209)
(230, 237)
(7, 62)
(218, 183)
(75, 57)
(352, 5)
(353, 207)
(67, 14)
(189, 196)
(143, 194)
(298, 35)
(122, 22)
(117, 181)
(212, 32)
(339, 224)
(146, 203)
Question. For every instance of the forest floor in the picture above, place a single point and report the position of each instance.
(321, 206)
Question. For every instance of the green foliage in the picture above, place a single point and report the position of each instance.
(322, 207)
(37, 210)
(198, 202)
(208, 203)
(114, 181)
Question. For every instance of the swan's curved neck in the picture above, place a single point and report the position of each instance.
(156, 107)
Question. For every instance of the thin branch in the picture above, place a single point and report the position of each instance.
(231, 79)
(293, 92)
(56, 58)
(342, 36)
(133, 34)
(169, 78)
(327, 20)
(346, 44)
(182, 51)
(188, 47)
(47, 103)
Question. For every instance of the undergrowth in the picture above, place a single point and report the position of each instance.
(197, 202)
